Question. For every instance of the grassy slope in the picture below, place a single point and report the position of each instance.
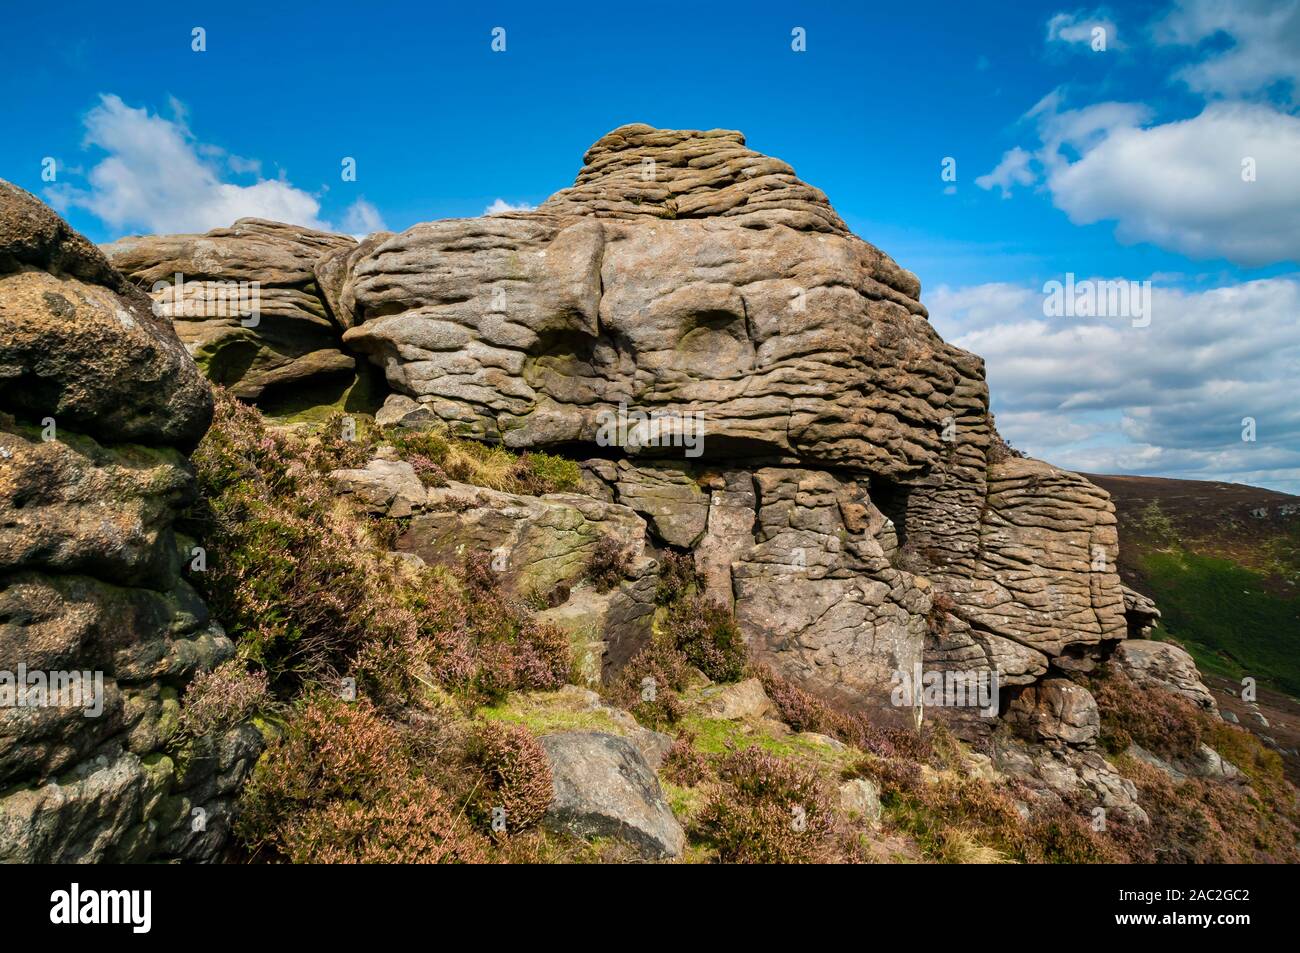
(1226, 579)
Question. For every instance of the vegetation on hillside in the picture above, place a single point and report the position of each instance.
(403, 703)
(1222, 562)
(1227, 616)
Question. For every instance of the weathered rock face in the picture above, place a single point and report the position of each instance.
(98, 630)
(80, 344)
(535, 543)
(1165, 666)
(249, 303)
(538, 548)
(762, 388)
(731, 291)
(1057, 712)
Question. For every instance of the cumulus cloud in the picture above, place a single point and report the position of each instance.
(157, 177)
(1083, 29)
(1223, 183)
(1100, 395)
(362, 218)
(1012, 170)
(1264, 46)
(501, 205)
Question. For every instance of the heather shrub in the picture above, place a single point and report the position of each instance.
(767, 811)
(344, 785)
(608, 564)
(701, 629)
(1061, 836)
(1262, 766)
(1204, 821)
(1161, 722)
(684, 764)
(512, 651)
(677, 577)
(330, 750)
(649, 685)
(217, 700)
(305, 586)
(805, 712)
(410, 824)
(442, 456)
(430, 473)
(893, 776)
(957, 819)
(706, 633)
(511, 773)
(344, 441)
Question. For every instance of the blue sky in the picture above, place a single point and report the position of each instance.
(1119, 163)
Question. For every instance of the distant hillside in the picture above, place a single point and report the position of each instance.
(1222, 561)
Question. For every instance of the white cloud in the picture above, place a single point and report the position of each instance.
(1265, 47)
(362, 218)
(501, 205)
(1180, 185)
(1184, 185)
(1103, 396)
(1013, 169)
(1081, 29)
(241, 166)
(1066, 132)
(158, 178)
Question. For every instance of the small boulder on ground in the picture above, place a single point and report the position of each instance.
(604, 788)
(861, 798)
(745, 699)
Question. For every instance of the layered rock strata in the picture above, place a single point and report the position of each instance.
(99, 631)
(762, 389)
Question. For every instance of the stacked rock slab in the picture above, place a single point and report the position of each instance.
(99, 632)
(828, 459)
(248, 301)
(844, 474)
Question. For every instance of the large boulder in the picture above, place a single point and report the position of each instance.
(246, 301)
(684, 274)
(1057, 712)
(604, 788)
(533, 544)
(1164, 665)
(79, 344)
(98, 628)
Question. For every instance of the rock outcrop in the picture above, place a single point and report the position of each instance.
(251, 303)
(741, 378)
(758, 384)
(99, 631)
(763, 388)
(1166, 666)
